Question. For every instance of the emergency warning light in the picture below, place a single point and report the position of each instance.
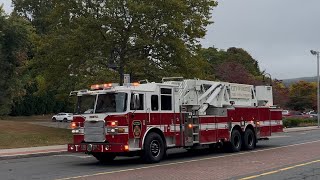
(103, 86)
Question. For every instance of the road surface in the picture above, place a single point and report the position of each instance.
(294, 155)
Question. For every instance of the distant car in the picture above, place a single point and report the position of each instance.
(313, 114)
(62, 117)
(295, 114)
(285, 113)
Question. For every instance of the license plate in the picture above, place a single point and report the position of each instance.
(93, 147)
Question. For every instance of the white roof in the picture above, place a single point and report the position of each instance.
(149, 87)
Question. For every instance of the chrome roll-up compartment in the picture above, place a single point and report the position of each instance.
(94, 131)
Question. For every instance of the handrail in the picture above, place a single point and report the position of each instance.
(164, 79)
(143, 81)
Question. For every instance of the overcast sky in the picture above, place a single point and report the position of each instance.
(277, 33)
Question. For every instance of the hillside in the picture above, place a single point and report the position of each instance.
(288, 82)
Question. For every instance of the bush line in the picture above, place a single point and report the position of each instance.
(296, 122)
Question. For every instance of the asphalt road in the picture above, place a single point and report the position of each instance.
(294, 155)
(308, 171)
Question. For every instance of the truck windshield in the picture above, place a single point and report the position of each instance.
(85, 104)
(111, 102)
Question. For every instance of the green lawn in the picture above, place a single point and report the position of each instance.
(20, 133)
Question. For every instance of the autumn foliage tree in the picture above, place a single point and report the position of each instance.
(280, 94)
(233, 72)
(233, 65)
(302, 96)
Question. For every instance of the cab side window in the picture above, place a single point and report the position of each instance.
(141, 96)
(166, 99)
(154, 103)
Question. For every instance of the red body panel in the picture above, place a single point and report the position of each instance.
(208, 132)
(222, 125)
(212, 128)
(265, 124)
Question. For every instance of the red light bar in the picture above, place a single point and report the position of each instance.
(103, 86)
(95, 87)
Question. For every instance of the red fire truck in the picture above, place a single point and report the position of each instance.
(148, 118)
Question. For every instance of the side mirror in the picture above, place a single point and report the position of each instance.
(136, 101)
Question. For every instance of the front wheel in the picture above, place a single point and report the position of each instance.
(104, 157)
(153, 148)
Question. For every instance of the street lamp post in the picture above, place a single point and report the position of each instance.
(316, 53)
(270, 80)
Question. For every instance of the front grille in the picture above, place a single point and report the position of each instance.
(94, 131)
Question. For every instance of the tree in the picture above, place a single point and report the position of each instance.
(243, 57)
(36, 12)
(223, 64)
(15, 35)
(302, 96)
(234, 72)
(280, 94)
(104, 38)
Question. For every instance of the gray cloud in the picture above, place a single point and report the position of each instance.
(278, 33)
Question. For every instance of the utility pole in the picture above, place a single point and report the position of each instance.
(316, 53)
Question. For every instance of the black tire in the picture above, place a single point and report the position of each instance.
(54, 119)
(154, 149)
(235, 143)
(65, 120)
(104, 157)
(249, 140)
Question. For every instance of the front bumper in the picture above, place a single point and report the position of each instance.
(96, 147)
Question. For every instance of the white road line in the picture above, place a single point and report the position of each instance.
(280, 170)
(274, 137)
(182, 162)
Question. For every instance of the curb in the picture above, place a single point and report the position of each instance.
(288, 130)
(36, 154)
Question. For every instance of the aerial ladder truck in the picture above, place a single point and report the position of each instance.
(145, 119)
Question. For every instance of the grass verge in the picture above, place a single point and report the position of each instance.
(18, 134)
(35, 118)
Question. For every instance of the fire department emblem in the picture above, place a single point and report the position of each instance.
(136, 129)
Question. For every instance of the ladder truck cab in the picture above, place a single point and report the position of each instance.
(147, 119)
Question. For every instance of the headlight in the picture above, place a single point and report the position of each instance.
(112, 130)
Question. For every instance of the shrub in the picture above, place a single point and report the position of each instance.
(296, 122)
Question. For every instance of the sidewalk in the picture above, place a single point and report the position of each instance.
(32, 151)
(58, 149)
(297, 129)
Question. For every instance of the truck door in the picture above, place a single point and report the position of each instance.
(167, 116)
(154, 110)
(139, 119)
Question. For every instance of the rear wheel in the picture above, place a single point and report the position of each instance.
(104, 157)
(65, 120)
(249, 140)
(153, 148)
(235, 142)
